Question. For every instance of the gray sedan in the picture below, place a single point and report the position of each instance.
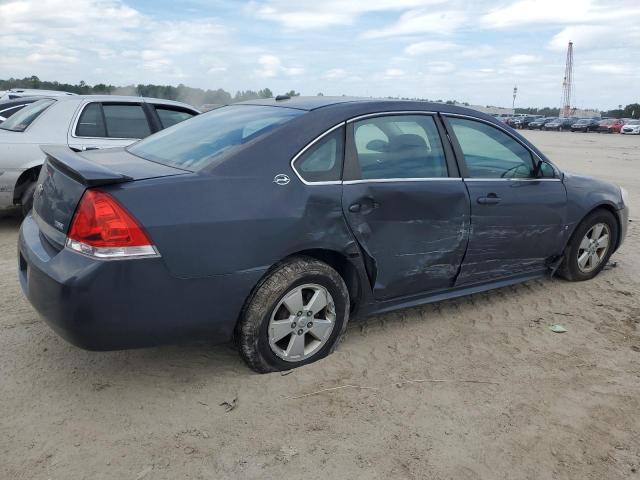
(81, 122)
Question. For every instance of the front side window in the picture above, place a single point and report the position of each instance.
(125, 121)
(400, 146)
(491, 153)
(169, 117)
(322, 162)
(197, 143)
(25, 117)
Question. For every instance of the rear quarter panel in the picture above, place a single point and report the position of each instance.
(207, 225)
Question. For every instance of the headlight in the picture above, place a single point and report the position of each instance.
(625, 196)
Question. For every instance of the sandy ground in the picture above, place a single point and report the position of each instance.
(554, 406)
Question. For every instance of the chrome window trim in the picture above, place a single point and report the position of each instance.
(504, 130)
(512, 180)
(397, 112)
(85, 105)
(388, 180)
(307, 147)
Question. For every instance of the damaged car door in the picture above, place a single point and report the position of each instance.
(518, 203)
(405, 203)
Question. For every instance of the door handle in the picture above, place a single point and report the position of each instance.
(355, 207)
(490, 199)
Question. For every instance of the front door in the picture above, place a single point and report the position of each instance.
(405, 203)
(518, 204)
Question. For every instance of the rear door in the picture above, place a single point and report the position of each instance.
(405, 203)
(518, 203)
(109, 124)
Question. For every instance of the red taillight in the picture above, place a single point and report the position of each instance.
(102, 228)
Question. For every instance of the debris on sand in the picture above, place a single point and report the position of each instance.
(230, 405)
(557, 328)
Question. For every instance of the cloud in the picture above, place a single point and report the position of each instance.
(311, 14)
(546, 12)
(522, 59)
(335, 74)
(611, 68)
(429, 46)
(271, 66)
(393, 73)
(420, 22)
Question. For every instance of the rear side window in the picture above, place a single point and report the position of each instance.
(91, 122)
(21, 120)
(125, 121)
(396, 147)
(489, 152)
(195, 144)
(169, 117)
(322, 162)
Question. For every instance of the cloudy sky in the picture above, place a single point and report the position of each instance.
(473, 51)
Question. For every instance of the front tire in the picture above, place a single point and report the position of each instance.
(590, 247)
(295, 316)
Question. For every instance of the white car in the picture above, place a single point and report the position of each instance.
(32, 92)
(81, 122)
(631, 128)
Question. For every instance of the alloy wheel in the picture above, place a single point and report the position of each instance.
(302, 322)
(594, 247)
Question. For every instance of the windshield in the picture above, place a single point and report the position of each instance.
(18, 122)
(195, 143)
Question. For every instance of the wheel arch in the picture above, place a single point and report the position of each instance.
(26, 177)
(606, 206)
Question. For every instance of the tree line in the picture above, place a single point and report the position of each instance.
(182, 93)
(199, 96)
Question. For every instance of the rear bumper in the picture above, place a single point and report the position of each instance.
(112, 305)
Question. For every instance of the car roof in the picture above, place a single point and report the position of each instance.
(356, 105)
(121, 98)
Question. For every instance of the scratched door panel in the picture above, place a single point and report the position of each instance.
(414, 231)
(518, 233)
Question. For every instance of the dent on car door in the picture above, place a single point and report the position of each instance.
(518, 203)
(109, 124)
(405, 203)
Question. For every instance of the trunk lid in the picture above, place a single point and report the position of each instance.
(66, 174)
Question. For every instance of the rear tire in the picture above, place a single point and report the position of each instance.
(587, 253)
(269, 308)
(26, 200)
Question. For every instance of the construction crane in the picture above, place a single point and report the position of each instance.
(567, 84)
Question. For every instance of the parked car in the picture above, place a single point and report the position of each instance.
(275, 221)
(79, 122)
(560, 124)
(585, 125)
(631, 128)
(32, 92)
(523, 122)
(9, 107)
(540, 122)
(610, 125)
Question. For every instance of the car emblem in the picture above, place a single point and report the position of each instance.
(281, 179)
(39, 189)
(58, 225)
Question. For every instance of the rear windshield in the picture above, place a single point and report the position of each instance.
(19, 121)
(194, 144)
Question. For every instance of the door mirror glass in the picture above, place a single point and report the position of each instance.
(491, 153)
